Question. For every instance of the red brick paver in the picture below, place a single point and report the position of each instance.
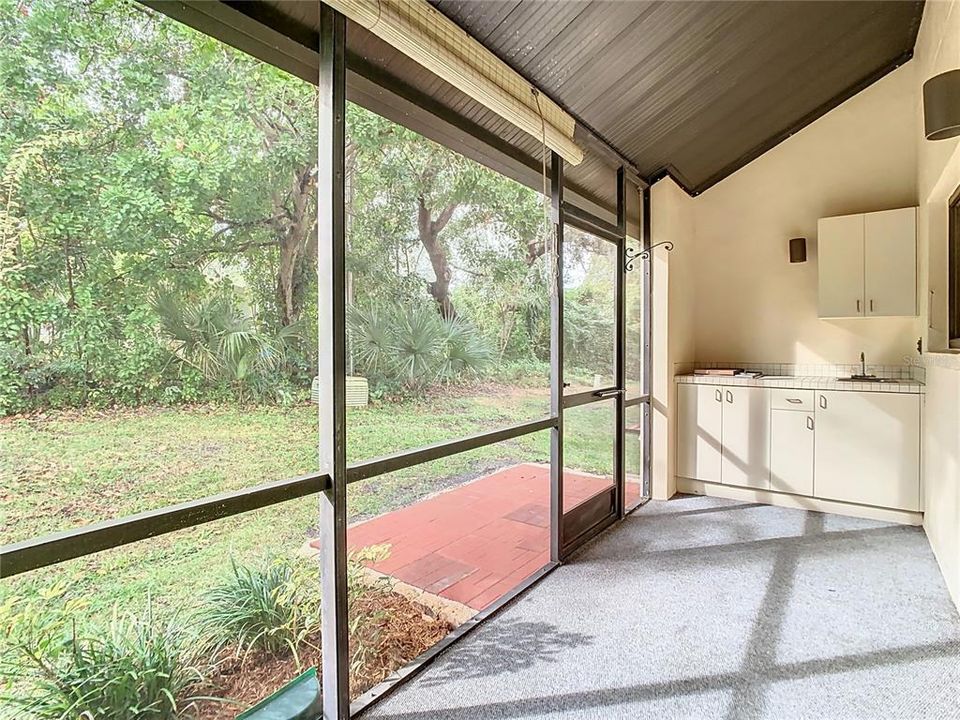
(476, 542)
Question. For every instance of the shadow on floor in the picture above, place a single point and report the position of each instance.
(613, 697)
(513, 644)
(771, 566)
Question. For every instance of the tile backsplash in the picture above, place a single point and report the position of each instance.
(911, 371)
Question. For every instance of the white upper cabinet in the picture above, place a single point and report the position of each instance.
(890, 262)
(867, 264)
(840, 265)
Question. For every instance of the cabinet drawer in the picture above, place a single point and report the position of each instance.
(781, 399)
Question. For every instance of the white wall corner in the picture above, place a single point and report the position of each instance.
(673, 298)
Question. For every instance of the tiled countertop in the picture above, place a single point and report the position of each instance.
(806, 382)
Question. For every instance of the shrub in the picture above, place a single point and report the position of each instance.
(270, 608)
(219, 339)
(134, 667)
(275, 607)
(408, 349)
(13, 383)
(588, 333)
(527, 373)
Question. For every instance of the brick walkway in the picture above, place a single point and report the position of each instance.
(476, 542)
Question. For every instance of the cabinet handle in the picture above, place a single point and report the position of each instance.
(809, 423)
(871, 305)
(858, 306)
(795, 401)
(719, 395)
(823, 402)
(729, 396)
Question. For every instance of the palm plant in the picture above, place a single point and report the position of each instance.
(371, 338)
(221, 340)
(417, 344)
(414, 347)
(465, 351)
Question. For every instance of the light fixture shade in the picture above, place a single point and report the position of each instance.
(941, 106)
(798, 250)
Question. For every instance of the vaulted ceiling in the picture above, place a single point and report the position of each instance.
(691, 89)
(694, 88)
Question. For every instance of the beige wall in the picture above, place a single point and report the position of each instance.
(728, 293)
(673, 321)
(938, 167)
(938, 175)
(754, 305)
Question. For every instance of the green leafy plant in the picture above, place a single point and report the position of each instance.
(271, 607)
(413, 348)
(464, 351)
(218, 338)
(275, 607)
(135, 666)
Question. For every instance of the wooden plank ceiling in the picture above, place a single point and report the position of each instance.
(693, 89)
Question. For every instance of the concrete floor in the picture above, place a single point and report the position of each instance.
(707, 608)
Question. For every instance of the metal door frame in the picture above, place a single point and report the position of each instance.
(570, 530)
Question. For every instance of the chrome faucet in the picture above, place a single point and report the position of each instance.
(863, 377)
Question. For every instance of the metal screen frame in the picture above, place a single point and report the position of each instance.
(331, 481)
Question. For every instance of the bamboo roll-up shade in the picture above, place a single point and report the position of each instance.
(425, 35)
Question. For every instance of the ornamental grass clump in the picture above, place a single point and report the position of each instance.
(273, 607)
(54, 668)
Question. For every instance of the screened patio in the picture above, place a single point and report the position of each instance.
(444, 253)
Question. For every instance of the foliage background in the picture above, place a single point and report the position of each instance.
(152, 174)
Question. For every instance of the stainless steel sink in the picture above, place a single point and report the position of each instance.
(869, 379)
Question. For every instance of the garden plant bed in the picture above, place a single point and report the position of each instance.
(398, 631)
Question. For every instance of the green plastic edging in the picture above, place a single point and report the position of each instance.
(299, 699)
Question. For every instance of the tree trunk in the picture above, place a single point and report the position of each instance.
(429, 230)
(298, 247)
(535, 249)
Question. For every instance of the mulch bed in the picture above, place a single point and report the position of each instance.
(396, 631)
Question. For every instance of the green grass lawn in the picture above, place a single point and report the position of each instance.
(63, 470)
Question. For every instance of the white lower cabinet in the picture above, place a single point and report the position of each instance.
(791, 451)
(855, 447)
(746, 437)
(867, 448)
(723, 434)
(699, 420)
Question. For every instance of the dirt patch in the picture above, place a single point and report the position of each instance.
(397, 631)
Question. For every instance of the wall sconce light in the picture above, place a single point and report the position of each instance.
(798, 250)
(941, 106)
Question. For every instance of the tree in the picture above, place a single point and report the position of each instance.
(140, 159)
(412, 195)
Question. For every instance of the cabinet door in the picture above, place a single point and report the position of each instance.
(699, 422)
(746, 438)
(867, 448)
(840, 266)
(890, 262)
(791, 451)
